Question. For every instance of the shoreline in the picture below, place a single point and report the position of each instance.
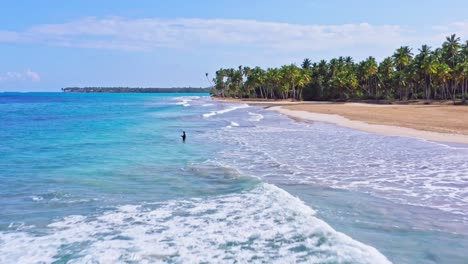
(440, 123)
(380, 129)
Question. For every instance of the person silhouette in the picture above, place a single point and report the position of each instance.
(183, 136)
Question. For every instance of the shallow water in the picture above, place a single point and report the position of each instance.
(106, 178)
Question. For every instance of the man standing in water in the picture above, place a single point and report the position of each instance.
(183, 136)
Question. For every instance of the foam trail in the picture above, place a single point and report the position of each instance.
(213, 113)
(184, 100)
(233, 124)
(255, 117)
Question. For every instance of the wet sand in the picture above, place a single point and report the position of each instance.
(438, 122)
(432, 122)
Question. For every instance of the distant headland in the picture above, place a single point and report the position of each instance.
(134, 90)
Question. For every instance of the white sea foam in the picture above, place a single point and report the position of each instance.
(263, 225)
(185, 100)
(18, 226)
(232, 124)
(255, 117)
(219, 112)
(403, 170)
(37, 198)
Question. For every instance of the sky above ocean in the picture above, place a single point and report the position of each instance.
(47, 45)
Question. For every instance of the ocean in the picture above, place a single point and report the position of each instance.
(106, 178)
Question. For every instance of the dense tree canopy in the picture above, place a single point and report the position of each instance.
(439, 74)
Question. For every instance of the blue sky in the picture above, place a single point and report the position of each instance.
(49, 44)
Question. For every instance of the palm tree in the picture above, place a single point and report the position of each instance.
(206, 74)
(385, 75)
(259, 81)
(306, 64)
(452, 45)
(429, 67)
(421, 69)
(402, 58)
(464, 80)
(220, 84)
(236, 78)
(273, 80)
(464, 70)
(443, 75)
(368, 70)
(322, 76)
(302, 80)
(290, 76)
(348, 60)
(450, 49)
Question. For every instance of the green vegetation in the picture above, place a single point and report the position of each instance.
(440, 74)
(134, 90)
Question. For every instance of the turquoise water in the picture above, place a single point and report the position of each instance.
(106, 178)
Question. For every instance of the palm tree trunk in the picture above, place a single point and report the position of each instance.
(445, 91)
(454, 88)
(463, 90)
(429, 88)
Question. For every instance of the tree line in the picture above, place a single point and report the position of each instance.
(134, 90)
(431, 74)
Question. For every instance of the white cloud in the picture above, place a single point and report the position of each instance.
(149, 34)
(27, 75)
(460, 28)
(8, 36)
(33, 76)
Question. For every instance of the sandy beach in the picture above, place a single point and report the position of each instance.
(443, 123)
